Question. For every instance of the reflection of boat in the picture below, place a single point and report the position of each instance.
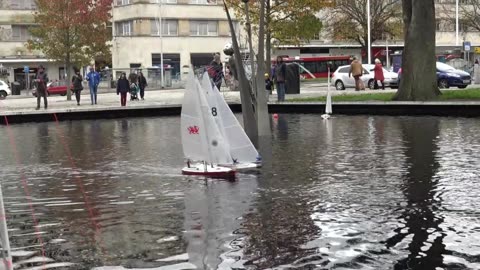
(212, 224)
(243, 154)
(201, 137)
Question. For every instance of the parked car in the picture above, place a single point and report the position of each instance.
(341, 80)
(54, 88)
(4, 90)
(448, 76)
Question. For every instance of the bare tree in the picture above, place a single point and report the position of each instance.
(348, 20)
(470, 14)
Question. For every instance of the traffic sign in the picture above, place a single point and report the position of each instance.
(467, 46)
(26, 69)
(477, 50)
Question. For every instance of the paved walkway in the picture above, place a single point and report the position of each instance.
(153, 98)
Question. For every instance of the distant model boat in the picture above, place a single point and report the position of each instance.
(202, 141)
(243, 153)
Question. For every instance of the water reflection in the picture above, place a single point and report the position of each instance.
(420, 225)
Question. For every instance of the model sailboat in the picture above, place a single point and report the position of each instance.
(202, 140)
(242, 151)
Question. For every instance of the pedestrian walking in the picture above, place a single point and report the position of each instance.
(41, 80)
(123, 87)
(77, 85)
(280, 74)
(356, 70)
(142, 83)
(378, 74)
(215, 71)
(93, 79)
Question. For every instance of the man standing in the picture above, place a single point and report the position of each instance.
(41, 80)
(93, 79)
(142, 83)
(280, 75)
(215, 71)
(356, 70)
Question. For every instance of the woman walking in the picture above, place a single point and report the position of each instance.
(77, 85)
(378, 74)
(123, 87)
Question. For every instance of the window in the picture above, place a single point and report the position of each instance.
(122, 2)
(203, 28)
(23, 4)
(203, 2)
(20, 33)
(124, 28)
(344, 70)
(169, 27)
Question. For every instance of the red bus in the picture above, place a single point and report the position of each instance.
(317, 65)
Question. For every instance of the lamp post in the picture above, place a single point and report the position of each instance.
(160, 31)
(369, 44)
(457, 26)
(250, 46)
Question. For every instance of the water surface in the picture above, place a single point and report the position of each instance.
(354, 192)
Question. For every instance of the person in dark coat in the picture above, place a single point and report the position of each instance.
(142, 83)
(41, 80)
(215, 71)
(123, 86)
(77, 85)
(280, 75)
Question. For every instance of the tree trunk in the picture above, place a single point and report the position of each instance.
(246, 97)
(263, 120)
(268, 38)
(67, 79)
(419, 79)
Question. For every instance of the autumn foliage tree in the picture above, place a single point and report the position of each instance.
(72, 31)
(287, 21)
(348, 20)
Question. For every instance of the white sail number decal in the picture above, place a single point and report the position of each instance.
(214, 111)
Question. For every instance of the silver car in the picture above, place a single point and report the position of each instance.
(341, 80)
(4, 90)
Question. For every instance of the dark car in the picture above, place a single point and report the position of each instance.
(448, 76)
(54, 88)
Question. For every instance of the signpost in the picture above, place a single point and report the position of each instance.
(26, 70)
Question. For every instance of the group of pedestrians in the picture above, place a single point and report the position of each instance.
(124, 85)
(131, 85)
(278, 77)
(356, 69)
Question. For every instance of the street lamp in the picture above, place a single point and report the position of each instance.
(160, 30)
(369, 45)
(456, 23)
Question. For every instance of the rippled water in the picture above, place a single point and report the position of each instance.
(349, 193)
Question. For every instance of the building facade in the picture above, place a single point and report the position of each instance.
(191, 31)
(16, 16)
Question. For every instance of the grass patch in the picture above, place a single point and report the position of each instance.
(316, 80)
(448, 95)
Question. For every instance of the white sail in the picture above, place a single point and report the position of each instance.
(193, 131)
(217, 146)
(328, 106)
(239, 145)
(4, 241)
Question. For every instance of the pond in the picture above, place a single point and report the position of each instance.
(353, 192)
